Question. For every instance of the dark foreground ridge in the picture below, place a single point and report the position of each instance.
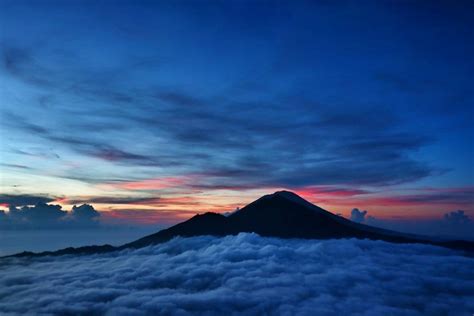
(282, 214)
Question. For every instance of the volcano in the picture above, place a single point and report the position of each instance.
(282, 214)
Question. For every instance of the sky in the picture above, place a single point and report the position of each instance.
(153, 111)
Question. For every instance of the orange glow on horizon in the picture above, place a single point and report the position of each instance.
(153, 205)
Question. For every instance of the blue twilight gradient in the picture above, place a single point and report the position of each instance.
(372, 94)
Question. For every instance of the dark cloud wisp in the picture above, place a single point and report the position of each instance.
(24, 199)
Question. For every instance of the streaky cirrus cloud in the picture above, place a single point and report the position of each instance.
(116, 200)
(245, 274)
(15, 166)
(159, 218)
(462, 196)
(216, 133)
(331, 191)
(440, 196)
(154, 183)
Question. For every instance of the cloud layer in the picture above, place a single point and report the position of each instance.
(245, 274)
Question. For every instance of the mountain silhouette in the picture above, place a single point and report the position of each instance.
(282, 214)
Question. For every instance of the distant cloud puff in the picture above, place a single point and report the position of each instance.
(358, 216)
(244, 274)
(84, 212)
(457, 217)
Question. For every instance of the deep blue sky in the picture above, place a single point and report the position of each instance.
(120, 103)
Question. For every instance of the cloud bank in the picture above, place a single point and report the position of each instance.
(42, 215)
(244, 274)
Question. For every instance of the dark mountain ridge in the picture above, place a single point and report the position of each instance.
(282, 214)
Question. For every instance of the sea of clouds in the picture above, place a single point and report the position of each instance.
(244, 274)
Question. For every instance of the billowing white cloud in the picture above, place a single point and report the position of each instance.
(244, 274)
